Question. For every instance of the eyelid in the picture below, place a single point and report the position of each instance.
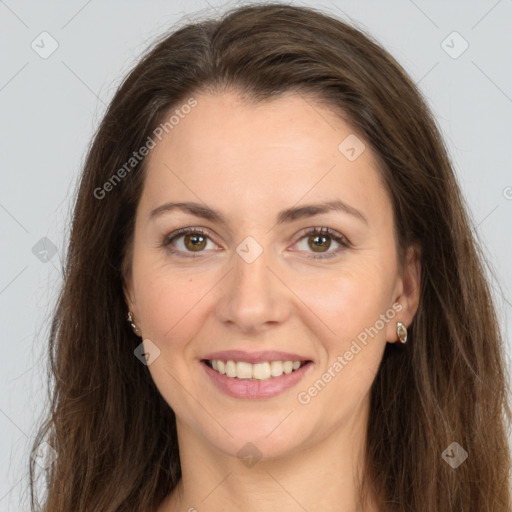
(324, 230)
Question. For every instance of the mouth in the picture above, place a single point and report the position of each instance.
(260, 380)
(243, 370)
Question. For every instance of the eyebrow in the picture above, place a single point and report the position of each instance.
(284, 216)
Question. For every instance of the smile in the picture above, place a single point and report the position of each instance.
(259, 371)
(266, 379)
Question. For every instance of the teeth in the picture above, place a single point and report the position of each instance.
(276, 368)
(243, 370)
(259, 371)
(230, 369)
(287, 367)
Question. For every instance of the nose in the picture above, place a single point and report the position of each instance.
(252, 296)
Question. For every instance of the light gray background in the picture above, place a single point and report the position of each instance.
(50, 108)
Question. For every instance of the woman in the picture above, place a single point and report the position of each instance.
(273, 299)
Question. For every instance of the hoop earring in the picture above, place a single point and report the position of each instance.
(134, 327)
(402, 332)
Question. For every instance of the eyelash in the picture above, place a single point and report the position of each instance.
(340, 239)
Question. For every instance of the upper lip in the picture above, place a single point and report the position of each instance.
(255, 357)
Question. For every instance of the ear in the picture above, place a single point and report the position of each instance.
(408, 292)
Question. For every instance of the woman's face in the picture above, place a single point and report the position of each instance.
(258, 280)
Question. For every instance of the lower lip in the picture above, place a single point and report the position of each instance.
(256, 389)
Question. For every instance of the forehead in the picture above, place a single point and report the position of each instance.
(275, 152)
(225, 127)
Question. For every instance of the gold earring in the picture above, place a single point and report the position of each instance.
(401, 331)
(134, 327)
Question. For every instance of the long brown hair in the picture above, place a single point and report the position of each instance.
(114, 434)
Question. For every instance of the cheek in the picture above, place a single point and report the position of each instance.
(349, 299)
(346, 301)
(170, 304)
(353, 306)
(353, 341)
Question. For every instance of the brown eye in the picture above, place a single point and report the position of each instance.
(319, 240)
(319, 243)
(186, 241)
(194, 242)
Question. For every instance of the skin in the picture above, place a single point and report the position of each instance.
(250, 162)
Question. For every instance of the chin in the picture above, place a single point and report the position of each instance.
(259, 438)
